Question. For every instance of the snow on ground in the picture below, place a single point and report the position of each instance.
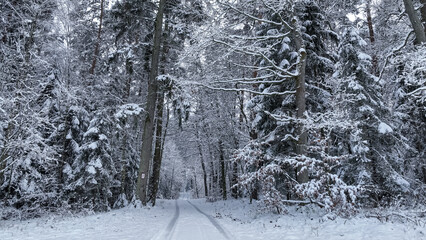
(121, 224)
(197, 219)
(247, 222)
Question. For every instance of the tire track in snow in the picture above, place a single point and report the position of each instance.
(171, 227)
(212, 220)
(168, 232)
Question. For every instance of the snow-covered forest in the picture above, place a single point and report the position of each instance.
(108, 104)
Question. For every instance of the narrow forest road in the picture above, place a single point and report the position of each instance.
(190, 222)
(187, 219)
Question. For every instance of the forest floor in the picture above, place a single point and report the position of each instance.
(187, 219)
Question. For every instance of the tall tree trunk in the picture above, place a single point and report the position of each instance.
(254, 187)
(159, 138)
(372, 38)
(165, 131)
(203, 166)
(370, 22)
(148, 133)
(146, 66)
(172, 180)
(124, 167)
(129, 71)
(3, 158)
(213, 172)
(4, 155)
(98, 41)
(213, 180)
(302, 175)
(242, 116)
(30, 41)
(222, 170)
(234, 181)
(195, 185)
(415, 21)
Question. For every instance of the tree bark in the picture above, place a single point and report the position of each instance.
(372, 38)
(165, 131)
(234, 180)
(370, 22)
(423, 13)
(203, 165)
(302, 175)
(160, 136)
(222, 170)
(156, 168)
(4, 153)
(242, 116)
(98, 41)
(415, 22)
(195, 185)
(146, 66)
(213, 179)
(30, 41)
(129, 71)
(147, 137)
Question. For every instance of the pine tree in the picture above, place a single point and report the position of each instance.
(93, 170)
(29, 110)
(374, 164)
(410, 119)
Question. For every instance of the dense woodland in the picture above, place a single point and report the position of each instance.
(108, 103)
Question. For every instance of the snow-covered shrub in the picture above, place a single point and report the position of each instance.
(126, 122)
(93, 170)
(260, 175)
(330, 192)
(28, 174)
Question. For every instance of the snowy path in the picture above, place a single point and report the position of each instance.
(198, 219)
(192, 223)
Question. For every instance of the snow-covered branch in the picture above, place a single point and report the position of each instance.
(244, 50)
(394, 51)
(262, 20)
(242, 90)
